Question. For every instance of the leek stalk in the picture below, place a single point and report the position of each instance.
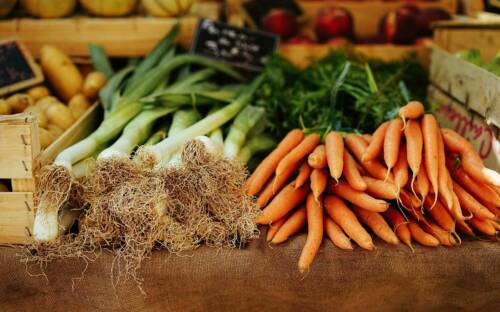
(129, 106)
(163, 151)
(241, 126)
(136, 132)
(257, 144)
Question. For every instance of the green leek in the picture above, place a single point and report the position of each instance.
(241, 126)
(164, 150)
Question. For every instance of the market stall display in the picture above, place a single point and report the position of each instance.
(265, 152)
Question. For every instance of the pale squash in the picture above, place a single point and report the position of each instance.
(167, 8)
(6, 7)
(109, 8)
(49, 8)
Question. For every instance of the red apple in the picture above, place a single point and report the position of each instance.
(281, 22)
(399, 26)
(333, 22)
(299, 40)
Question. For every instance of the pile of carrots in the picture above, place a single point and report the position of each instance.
(408, 181)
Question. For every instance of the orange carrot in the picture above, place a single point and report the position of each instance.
(412, 110)
(410, 198)
(411, 204)
(358, 198)
(481, 191)
(465, 228)
(440, 214)
(274, 227)
(430, 133)
(444, 237)
(298, 153)
(377, 224)
(376, 143)
(422, 185)
(336, 234)
(352, 174)
(292, 225)
(286, 200)
(392, 142)
(334, 146)
(268, 165)
(468, 202)
(314, 233)
(443, 174)
(367, 137)
(274, 186)
(304, 173)
(358, 146)
(399, 225)
(381, 189)
(401, 169)
(319, 179)
(414, 147)
(470, 160)
(483, 226)
(456, 209)
(317, 159)
(493, 209)
(346, 219)
(421, 236)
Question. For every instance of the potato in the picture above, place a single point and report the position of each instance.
(46, 102)
(19, 102)
(40, 115)
(46, 138)
(5, 107)
(93, 83)
(3, 187)
(54, 130)
(61, 72)
(78, 105)
(60, 115)
(38, 92)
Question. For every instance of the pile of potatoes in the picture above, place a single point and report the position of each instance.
(56, 112)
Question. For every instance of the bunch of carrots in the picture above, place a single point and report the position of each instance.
(408, 181)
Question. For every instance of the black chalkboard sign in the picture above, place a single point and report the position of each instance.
(237, 46)
(17, 68)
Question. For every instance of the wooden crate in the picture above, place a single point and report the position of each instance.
(301, 55)
(455, 115)
(20, 157)
(121, 37)
(454, 36)
(473, 86)
(367, 14)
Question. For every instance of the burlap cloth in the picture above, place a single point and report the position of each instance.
(260, 278)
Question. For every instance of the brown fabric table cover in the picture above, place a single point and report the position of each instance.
(261, 278)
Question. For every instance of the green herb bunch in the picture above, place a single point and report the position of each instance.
(342, 92)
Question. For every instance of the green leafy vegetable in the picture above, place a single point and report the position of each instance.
(342, 92)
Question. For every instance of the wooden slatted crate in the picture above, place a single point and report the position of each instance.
(131, 36)
(20, 157)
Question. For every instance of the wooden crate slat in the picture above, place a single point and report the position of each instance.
(477, 88)
(121, 37)
(16, 217)
(459, 39)
(16, 150)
